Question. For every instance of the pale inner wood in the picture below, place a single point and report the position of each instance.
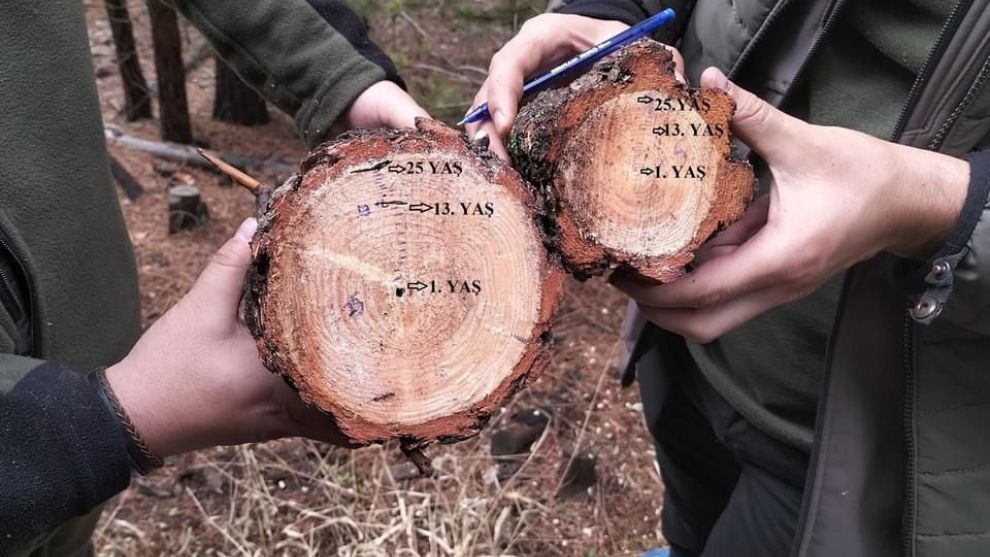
(622, 208)
(389, 354)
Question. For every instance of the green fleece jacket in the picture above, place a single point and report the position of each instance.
(68, 282)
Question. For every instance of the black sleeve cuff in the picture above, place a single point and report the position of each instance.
(632, 12)
(61, 454)
(940, 269)
(353, 28)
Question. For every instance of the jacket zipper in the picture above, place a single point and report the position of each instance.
(833, 10)
(767, 23)
(8, 283)
(831, 14)
(936, 53)
(909, 445)
(943, 131)
(928, 66)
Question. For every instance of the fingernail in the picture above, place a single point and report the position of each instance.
(717, 79)
(481, 138)
(246, 230)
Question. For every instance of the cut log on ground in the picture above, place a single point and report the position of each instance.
(186, 209)
(402, 284)
(637, 166)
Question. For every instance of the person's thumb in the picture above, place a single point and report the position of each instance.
(768, 131)
(222, 282)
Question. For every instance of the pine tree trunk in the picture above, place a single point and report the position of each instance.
(137, 103)
(234, 101)
(173, 106)
(402, 284)
(638, 168)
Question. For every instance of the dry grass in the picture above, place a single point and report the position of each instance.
(295, 497)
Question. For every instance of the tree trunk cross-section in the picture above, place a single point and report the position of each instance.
(402, 284)
(637, 167)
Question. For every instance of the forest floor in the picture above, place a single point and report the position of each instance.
(589, 486)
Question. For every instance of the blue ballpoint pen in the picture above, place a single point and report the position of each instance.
(589, 56)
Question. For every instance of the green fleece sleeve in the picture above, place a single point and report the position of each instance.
(13, 369)
(289, 52)
(62, 454)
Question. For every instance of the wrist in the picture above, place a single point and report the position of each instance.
(139, 399)
(932, 188)
(142, 458)
(176, 410)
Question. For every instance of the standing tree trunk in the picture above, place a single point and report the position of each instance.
(234, 101)
(137, 102)
(173, 107)
(638, 166)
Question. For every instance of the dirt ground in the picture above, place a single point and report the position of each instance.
(588, 487)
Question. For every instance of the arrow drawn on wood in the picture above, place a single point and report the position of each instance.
(374, 168)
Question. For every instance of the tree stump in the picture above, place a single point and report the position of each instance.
(637, 166)
(401, 283)
(186, 209)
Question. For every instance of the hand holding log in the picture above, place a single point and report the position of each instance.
(638, 167)
(401, 283)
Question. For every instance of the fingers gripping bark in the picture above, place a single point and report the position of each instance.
(542, 42)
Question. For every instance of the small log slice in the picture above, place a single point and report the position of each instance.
(637, 166)
(402, 284)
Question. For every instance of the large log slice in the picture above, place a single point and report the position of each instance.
(638, 167)
(401, 283)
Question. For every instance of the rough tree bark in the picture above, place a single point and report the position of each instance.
(637, 167)
(172, 104)
(234, 101)
(403, 285)
(137, 102)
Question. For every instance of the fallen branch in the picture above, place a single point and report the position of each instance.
(189, 155)
(416, 27)
(127, 182)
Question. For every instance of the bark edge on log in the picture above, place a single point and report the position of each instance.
(543, 137)
(328, 162)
